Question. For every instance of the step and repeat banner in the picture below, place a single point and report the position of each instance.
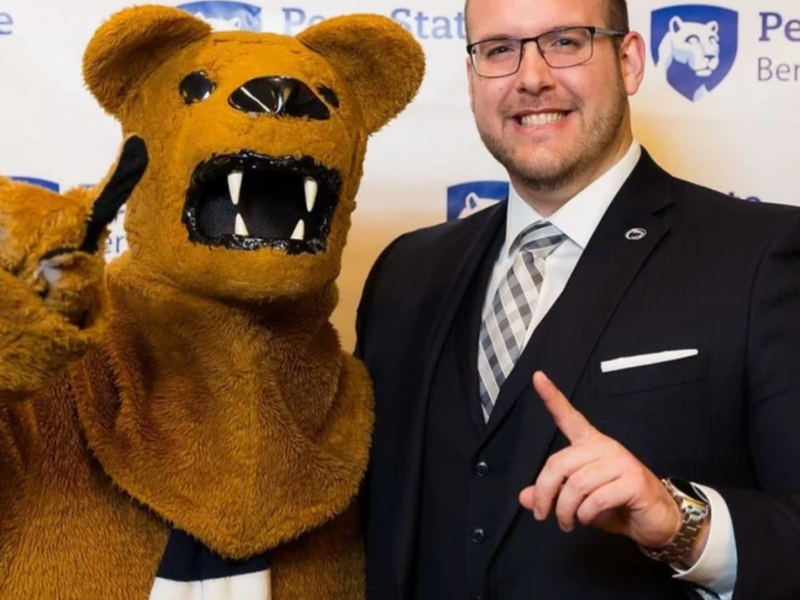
(720, 106)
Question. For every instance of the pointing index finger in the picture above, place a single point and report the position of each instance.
(568, 420)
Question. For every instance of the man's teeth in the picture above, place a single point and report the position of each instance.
(542, 119)
(299, 232)
(311, 187)
(241, 228)
(235, 186)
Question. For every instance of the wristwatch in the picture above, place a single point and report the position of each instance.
(695, 513)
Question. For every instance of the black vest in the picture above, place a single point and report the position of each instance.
(464, 474)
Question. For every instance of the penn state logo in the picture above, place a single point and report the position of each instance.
(226, 16)
(695, 46)
(466, 199)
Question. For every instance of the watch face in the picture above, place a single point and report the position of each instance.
(687, 489)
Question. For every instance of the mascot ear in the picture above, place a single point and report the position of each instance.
(133, 42)
(381, 61)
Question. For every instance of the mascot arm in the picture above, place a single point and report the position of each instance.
(52, 297)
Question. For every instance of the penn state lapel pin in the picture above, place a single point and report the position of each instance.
(635, 234)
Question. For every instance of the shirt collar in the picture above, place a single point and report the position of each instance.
(579, 217)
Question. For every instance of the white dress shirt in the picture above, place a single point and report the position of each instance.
(577, 220)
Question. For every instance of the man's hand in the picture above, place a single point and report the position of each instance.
(598, 482)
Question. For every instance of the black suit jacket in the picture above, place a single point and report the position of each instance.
(714, 274)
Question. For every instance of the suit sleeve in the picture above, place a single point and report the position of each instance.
(362, 326)
(766, 522)
(367, 298)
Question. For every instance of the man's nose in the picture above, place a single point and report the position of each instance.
(279, 96)
(534, 73)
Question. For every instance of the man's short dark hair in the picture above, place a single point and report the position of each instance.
(616, 13)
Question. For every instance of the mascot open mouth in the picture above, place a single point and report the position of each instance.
(248, 201)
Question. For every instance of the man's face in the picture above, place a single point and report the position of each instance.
(548, 126)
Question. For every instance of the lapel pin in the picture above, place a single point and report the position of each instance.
(635, 234)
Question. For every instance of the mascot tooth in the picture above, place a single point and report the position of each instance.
(184, 423)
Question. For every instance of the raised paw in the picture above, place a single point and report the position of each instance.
(52, 292)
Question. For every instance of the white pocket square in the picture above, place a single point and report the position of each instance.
(640, 360)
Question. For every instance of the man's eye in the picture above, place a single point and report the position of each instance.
(565, 43)
(498, 50)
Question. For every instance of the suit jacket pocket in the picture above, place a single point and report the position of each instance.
(649, 377)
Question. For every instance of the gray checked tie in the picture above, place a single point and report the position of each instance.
(506, 321)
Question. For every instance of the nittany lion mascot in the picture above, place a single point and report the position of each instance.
(184, 423)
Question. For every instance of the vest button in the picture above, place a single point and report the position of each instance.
(478, 536)
(475, 597)
(481, 469)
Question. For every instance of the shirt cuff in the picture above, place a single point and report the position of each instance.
(716, 569)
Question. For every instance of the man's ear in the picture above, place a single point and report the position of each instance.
(130, 45)
(381, 61)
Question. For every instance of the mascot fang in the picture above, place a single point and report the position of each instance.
(184, 423)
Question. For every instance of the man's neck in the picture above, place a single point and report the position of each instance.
(547, 202)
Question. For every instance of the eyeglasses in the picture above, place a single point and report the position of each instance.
(560, 48)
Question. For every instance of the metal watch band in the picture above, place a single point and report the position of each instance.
(694, 515)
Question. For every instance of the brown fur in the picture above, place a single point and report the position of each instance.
(192, 385)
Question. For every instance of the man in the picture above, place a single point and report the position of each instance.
(661, 320)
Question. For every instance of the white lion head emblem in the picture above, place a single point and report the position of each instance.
(475, 203)
(232, 24)
(693, 44)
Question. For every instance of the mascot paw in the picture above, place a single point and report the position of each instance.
(51, 273)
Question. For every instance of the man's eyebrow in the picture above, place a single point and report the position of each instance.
(500, 36)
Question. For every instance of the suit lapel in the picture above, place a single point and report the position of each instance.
(457, 263)
(564, 341)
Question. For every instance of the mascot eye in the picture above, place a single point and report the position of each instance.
(196, 87)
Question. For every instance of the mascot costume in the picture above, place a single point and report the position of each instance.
(184, 424)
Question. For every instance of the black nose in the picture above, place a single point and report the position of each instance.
(279, 96)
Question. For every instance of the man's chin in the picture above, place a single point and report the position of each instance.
(542, 173)
(546, 165)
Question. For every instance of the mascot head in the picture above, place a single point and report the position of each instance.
(256, 142)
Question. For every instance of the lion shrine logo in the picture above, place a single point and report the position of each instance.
(465, 199)
(695, 46)
(226, 16)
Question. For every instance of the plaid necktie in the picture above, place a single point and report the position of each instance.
(506, 322)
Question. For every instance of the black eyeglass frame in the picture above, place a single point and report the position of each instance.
(593, 31)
